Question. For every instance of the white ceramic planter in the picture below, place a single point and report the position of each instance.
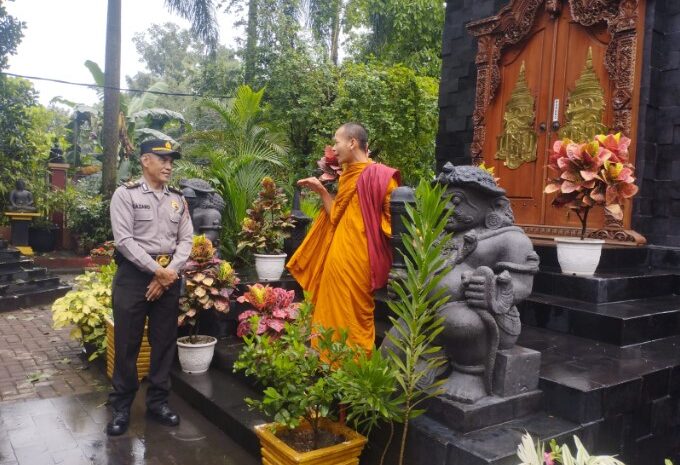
(195, 358)
(269, 267)
(578, 257)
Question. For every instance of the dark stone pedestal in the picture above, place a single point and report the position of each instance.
(516, 371)
(20, 222)
(488, 411)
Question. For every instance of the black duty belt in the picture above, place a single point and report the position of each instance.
(162, 259)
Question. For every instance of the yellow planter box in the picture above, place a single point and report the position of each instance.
(276, 452)
(143, 359)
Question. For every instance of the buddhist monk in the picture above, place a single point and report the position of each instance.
(346, 256)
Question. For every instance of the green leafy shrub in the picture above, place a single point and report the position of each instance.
(306, 385)
(85, 308)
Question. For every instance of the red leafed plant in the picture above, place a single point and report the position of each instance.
(209, 283)
(329, 165)
(590, 174)
(273, 305)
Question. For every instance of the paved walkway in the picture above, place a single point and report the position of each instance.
(37, 361)
(52, 408)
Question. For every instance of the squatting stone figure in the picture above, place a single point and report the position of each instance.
(492, 263)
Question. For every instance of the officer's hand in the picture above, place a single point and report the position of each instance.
(312, 184)
(154, 290)
(166, 276)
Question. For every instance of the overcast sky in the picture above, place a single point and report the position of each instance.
(61, 35)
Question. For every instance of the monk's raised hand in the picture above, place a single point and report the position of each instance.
(312, 184)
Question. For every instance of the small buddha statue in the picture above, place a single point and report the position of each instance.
(20, 199)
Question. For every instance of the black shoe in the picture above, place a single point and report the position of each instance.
(163, 415)
(119, 423)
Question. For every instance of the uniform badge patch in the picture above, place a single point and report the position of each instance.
(174, 205)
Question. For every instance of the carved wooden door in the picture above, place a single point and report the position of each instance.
(551, 82)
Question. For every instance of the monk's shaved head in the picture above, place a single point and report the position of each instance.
(356, 131)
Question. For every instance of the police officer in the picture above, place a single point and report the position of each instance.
(153, 235)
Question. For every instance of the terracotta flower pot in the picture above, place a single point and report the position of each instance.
(276, 452)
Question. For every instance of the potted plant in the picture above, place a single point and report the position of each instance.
(273, 306)
(595, 173)
(87, 307)
(209, 283)
(303, 388)
(266, 225)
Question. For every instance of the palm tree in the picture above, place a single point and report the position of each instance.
(201, 14)
(241, 151)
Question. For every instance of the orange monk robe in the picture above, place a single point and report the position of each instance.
(333, 263)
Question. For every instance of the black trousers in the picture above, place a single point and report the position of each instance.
(130, 309)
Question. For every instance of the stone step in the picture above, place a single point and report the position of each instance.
(22, 275)
(29, 286)
(17, 264)
(619, 323)
(37, 297)
(634, 387)
(431, 443)
(613, 257)
(9, 254)
(610, 286)
(220, 398)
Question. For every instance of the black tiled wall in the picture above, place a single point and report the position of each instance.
(457, 90)
(656, 209)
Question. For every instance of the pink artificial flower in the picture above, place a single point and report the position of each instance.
(548, 458)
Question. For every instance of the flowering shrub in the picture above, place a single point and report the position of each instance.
(329, 165)
(590, 174)
(267, 222)
(534, 453)
(273, 305)
(209, 284)
(106, 249)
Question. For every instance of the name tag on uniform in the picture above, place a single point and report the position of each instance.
(141, 206)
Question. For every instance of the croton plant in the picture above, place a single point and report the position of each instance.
(592, 173)
(329, 165)
(209, 284)
(273, 306)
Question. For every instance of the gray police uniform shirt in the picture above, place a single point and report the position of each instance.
(148, 223)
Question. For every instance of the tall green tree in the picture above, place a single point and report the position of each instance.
(17, 97)
(272, 28)
(325, 18)
(10, 35)
(399, 31)
(201, 14)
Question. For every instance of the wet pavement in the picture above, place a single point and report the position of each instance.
(52, 408)
(70, 431)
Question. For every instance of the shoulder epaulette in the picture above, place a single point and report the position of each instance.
(131, 184)
(175, 190)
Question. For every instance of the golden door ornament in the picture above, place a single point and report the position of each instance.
(517, 143)
(585, 107)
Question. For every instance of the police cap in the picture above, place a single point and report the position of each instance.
(159, 147)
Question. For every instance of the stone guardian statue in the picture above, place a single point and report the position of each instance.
(492, 264)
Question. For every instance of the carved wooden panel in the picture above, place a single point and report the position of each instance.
(513, 23)
(511, 28)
